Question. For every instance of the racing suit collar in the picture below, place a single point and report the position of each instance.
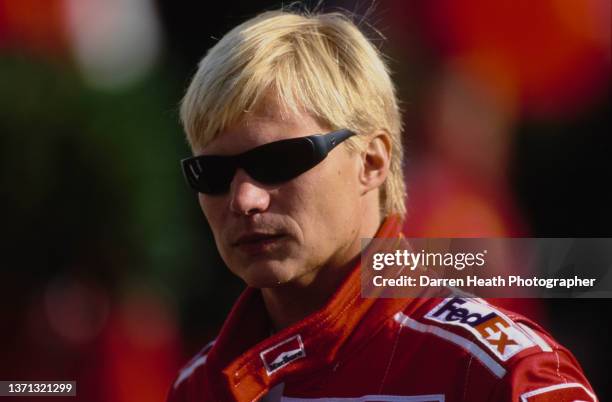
(246, 362)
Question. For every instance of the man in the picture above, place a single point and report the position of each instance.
(288, 209)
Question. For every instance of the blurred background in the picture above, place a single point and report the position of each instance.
(110, 276)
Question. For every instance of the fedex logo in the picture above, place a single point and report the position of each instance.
(496, 331)
(283, 353)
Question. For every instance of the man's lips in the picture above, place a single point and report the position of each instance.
(257, 244)
(257, 238)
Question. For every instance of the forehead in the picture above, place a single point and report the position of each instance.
(267, 123)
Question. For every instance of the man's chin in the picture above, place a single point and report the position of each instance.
(267, 274)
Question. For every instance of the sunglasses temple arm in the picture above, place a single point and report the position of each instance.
(329, 141)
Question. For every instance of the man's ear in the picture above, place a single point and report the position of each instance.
(376, 158)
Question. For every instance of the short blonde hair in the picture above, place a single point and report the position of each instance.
(320, 63)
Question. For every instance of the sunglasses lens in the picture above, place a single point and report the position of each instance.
(280, 161)
(209, 174)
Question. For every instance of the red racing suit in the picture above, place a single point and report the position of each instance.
(448, 348)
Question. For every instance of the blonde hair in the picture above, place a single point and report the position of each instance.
(320, 63)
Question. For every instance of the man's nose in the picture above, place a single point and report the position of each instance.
(247, 197)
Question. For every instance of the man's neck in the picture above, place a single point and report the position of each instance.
(292, 302)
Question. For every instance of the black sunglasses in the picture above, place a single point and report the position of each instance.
(272, 163)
